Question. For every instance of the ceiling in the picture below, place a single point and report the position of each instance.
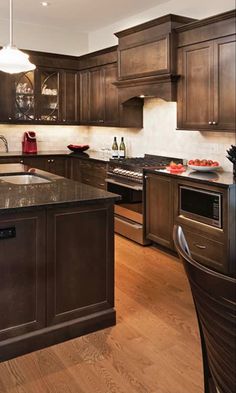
(85, 15)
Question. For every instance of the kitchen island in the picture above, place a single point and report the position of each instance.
(56, 259)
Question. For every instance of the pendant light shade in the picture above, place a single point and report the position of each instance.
(12, 60)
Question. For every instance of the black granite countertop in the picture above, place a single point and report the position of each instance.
(219, 178)
(89, 154)
(59, 191)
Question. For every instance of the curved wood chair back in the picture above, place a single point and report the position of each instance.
(214, 296)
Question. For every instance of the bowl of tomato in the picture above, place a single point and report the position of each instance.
(175, 168)
(204, 165)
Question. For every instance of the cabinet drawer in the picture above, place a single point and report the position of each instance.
(207, 251)
(11, 160)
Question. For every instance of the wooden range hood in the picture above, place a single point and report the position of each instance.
(147, 60)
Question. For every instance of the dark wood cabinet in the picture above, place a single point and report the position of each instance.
(99, 96)
(224, 83)
(196, 103)
(82, 285)
(158, 202)
(56, 275)
(45, 96)
(69, 97)
(84, 97)
(206, 88)
(54, 164)
(96, 95)
(111, 112)
(6, 94)
(22, 274)
(89, 172)
(211, 246)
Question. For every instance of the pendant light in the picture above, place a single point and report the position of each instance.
(12, 60)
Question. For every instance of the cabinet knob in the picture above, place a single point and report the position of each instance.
(214, 123)
(210, 122)
(9, 118)
(51, 161)
(64, 120)
(21, 162)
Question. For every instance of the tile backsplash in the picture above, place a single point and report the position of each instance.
(158, 136)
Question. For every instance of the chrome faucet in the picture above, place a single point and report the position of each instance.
(2, 137)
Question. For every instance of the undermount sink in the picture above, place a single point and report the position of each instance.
(24, 179)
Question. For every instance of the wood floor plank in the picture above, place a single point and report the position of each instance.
(154, 348)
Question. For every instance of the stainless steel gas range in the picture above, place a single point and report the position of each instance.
(125, 177)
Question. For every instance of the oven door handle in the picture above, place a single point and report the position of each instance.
(131, 224)
(137, 188)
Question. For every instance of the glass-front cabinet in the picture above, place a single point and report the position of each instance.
(48, 100)
(24, 103)
(37, 96)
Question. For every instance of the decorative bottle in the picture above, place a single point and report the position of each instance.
(115, 148)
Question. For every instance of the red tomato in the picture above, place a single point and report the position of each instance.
(197, 162)
(173, 165)
(203, 162)
(215, 163)
(179, 166)
(209, 162)
(191, 162)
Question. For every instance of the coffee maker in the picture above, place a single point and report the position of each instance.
(29, 144)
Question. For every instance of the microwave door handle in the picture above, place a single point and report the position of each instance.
(199, 246)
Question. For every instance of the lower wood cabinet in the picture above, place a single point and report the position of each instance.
(56, 275)
(90, 172)
(22, 274)
(53, 164)
(212, 246)
(159, 209)
(79, 277)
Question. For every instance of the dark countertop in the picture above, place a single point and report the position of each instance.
(60, 191)
(219, 178)
(93, 155)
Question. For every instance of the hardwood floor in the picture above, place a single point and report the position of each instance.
(154, 348)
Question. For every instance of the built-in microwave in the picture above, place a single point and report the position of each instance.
(201, 205)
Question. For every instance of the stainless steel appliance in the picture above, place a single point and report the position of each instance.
(125, 177)
(201, 205)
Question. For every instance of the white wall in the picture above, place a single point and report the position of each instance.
(158, 136)
(198, 9)
(48, 137)
(45, 38)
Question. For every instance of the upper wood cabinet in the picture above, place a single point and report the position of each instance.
(6, 91)
(46, 95)
(149, 49)
(206, 89)
(98, 96)
(69, 97)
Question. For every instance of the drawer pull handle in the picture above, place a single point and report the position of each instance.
(199, 246)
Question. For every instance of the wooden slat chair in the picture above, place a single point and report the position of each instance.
(214, 296)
